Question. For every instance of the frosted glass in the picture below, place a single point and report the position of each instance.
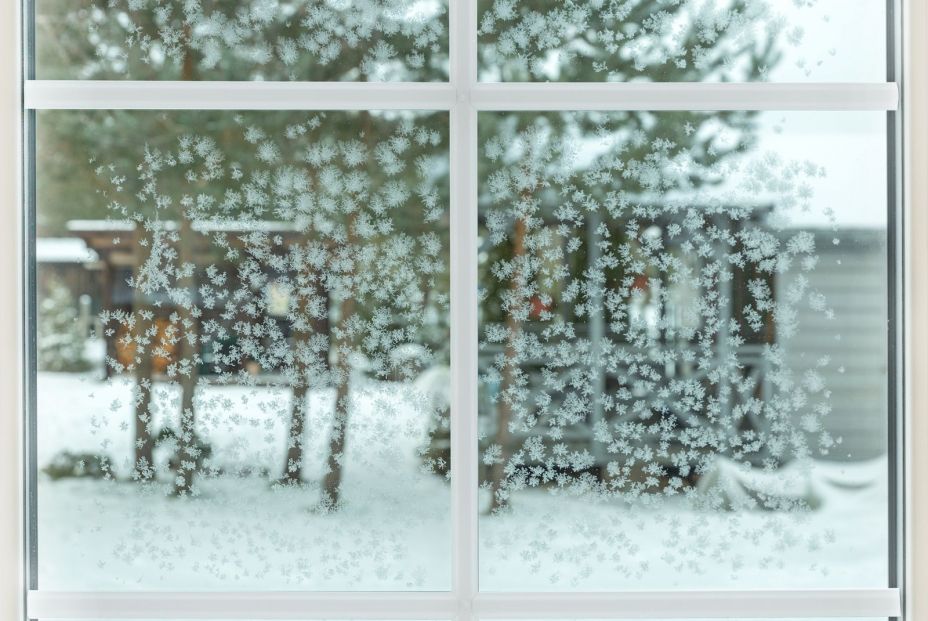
(242, 351)
(682, 40)
(683, 354)
(319, 40)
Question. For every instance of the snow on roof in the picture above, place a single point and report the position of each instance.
(100, 225)
(63, 250)
(202, 226)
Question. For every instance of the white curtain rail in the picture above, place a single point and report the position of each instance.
(849, 603)
(167, 95)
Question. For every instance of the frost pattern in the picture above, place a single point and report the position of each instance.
(280, 368)
(261, 39)
(641, 285)
(620, 40)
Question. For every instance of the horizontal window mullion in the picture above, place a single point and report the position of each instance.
(168, 95)
(782, 604)
(49, 605)
(747, 604)
(690, 96)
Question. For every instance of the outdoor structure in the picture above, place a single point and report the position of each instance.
(114, 242)
(100, 260)
(851, 275)
(69, 262)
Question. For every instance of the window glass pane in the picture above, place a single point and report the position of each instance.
(682, 40)
(242, 40)
(242, 350)
(683, 355)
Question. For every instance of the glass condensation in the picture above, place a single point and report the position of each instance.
(683, 350)
(308, 40)
(242, 351)
(682, 40)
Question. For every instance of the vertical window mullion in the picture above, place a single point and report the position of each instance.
(463, 166)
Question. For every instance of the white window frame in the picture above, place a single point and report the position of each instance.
(463, 97)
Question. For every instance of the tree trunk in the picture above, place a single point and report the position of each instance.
(299, 409)
(504, 411)
(188, 446)
(144, 464)
(331, 483)
(143, 469)
(107, 282)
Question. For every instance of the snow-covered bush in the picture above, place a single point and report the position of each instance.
(61, 342)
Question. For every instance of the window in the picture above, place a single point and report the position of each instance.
(450, 309)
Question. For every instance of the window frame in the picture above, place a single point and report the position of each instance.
(463, 97)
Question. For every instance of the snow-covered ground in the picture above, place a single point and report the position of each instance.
(579, 545)
(394, 531)
(241, 531)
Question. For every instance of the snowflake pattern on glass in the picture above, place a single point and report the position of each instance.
(318, 40)
(652, 398)
(678, 40)
(273, 331)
